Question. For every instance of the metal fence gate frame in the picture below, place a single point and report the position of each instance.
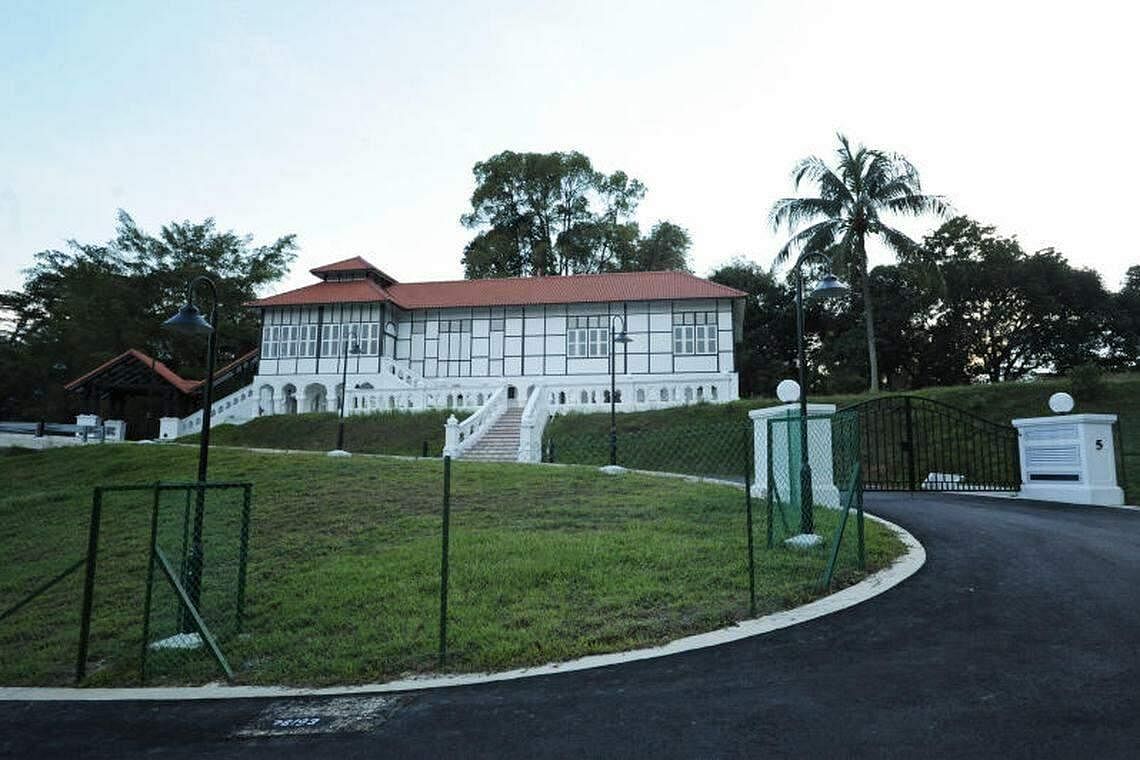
(911, 443)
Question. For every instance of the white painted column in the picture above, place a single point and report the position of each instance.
(824, 489)
(1069, 458)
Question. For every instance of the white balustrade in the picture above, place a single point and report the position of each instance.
(465, 434)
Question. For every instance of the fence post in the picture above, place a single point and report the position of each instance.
(443, 569)
(425, 451)
(89, 584)
(771, 484)
(149, 586)
(748, 464)
(908, 445)
(40, 429)
(243, 554)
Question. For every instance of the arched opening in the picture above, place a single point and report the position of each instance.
(641, 395)
(617, 396)
(605, 397)
(585, 398)
(664, 394)
(316, 397)
(459, 400)
(700, 392)
(479, 398)
(712, 392)
(450, 401)
(688, 394)
(561, 397)
(391, 402)
(339, 393)
(265, 400)
(290, 398)
(512, 395)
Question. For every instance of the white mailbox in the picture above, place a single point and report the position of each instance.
(1069, 458)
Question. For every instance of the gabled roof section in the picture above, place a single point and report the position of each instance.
(131, 356)
(344, 291)
(515, 291)
(580, 288)
(357, 266)
(139, 363)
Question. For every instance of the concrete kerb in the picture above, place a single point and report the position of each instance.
(907, 565)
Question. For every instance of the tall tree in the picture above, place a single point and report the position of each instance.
(1013, 312)
(853, 198)
(87, 303)
(554, 213)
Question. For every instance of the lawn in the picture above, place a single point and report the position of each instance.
(547, 563)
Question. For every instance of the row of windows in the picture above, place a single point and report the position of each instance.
(694, 333)
(690, 340)
(694, 318)
(300, 341)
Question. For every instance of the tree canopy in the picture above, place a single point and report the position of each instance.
(91, 301)
(966, 304)
(852, 204)
(554, 213)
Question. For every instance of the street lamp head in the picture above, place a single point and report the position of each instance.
(622, 338)
(188, 321)
(829, 286)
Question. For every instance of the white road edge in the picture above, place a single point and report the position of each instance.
(871, 586)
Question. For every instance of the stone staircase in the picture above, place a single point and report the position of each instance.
(501, 442)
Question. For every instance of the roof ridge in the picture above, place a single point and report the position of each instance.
(539, 278)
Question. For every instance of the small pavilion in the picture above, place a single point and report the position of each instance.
(141, 390)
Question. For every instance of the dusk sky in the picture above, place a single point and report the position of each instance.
(355, 125)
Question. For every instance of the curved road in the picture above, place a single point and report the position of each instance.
(1019, 638)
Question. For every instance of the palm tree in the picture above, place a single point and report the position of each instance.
(852, 198)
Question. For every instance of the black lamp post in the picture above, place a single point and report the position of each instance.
(829, 286)
(344, 385)
(623, 339)
(189, 321)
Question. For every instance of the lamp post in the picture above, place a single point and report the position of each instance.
(615, 339)
(189, 321)
(829, 286)
(344, 385)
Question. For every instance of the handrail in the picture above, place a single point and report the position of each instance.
(535, 415)
(461, 436)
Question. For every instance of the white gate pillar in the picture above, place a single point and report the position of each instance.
(819, 455)
(1069, 458)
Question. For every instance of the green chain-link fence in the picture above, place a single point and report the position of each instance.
(105, 609)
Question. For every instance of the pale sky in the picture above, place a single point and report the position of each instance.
(355, 125)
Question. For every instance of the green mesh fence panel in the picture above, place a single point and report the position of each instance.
(834, 510)
(196, 581)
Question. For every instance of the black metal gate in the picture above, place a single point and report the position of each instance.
(909, 443)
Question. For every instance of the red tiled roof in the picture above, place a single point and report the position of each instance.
(160, 369)
(348, 265)
(517, 291)
(345, 291)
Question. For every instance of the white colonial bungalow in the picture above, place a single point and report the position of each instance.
(538, 346)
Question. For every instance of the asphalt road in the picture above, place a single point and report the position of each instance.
(1019, 638)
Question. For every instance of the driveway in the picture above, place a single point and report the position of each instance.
(1019, 638)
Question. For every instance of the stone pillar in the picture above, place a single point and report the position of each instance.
(824, 489)
(116, 430)
(450, 436)
(1069, 458)
(168, 428)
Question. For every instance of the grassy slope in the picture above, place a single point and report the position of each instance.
(377, 433)
(998, 402)
(547, 563)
